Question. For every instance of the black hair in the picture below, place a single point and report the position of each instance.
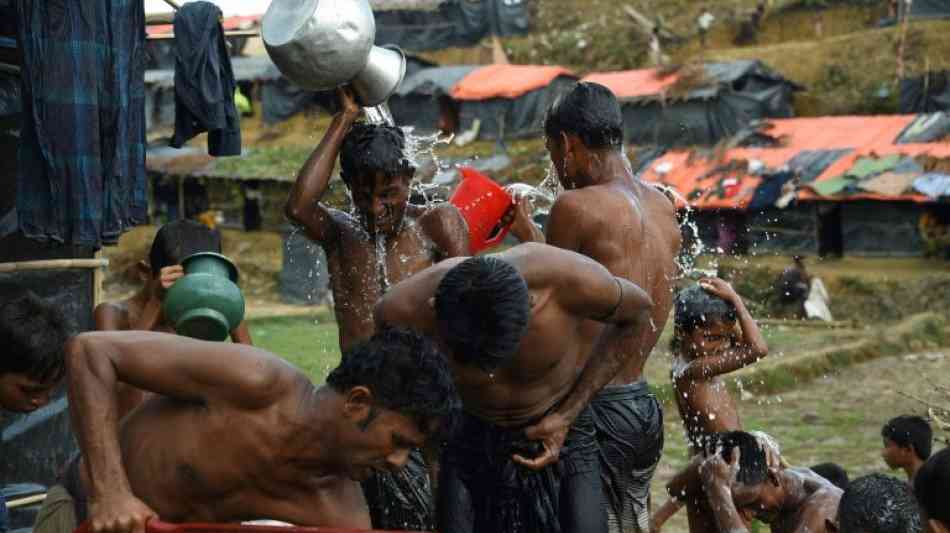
(33, 333)
(910, 432)
(878, 504)
(753, 467)
(179, 239)
(696, 307)
(483, 307)
(591, 112)
(369, 149)
(834, 473)
(405, 372)
(932, 485)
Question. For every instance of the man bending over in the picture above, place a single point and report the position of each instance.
(239, 434)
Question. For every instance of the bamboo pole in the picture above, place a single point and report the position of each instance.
(53, 264)
(98, 276)
(27, 500)
(233, 33)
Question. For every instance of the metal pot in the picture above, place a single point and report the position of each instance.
(319, 44)
(323, 44)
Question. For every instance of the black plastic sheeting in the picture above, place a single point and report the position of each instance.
(884, 229)
(784, 231)
(455, 23)
(416, 101)
(304, 279)
(929, 8)
(926, 94)
(741, 91)
(10, 100)
(513, 118)
(809, 164)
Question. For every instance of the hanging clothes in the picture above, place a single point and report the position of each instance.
(81, 156)
(204, 81)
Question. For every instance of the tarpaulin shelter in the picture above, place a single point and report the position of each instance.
(925, 9)
(925, 94)
(510, 100)
(672, 110)
(438, 24)
(843, 167)
(416, 101)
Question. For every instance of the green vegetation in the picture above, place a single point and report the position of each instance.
(309, 342)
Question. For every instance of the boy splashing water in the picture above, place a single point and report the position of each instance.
(385, 240)
(705, 346)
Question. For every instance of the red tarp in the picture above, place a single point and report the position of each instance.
(633, 83)
(505, 81)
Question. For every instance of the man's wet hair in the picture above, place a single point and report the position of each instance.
(405, 372)
(591, 112)
(753, 466)
(695, 307)
(932, 485)
(33, 333)
(371, 149)
(483, 307)
(177, 240)
(877, 503)
(909, 431)
(834, 473)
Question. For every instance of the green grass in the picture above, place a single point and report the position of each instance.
(309, 342)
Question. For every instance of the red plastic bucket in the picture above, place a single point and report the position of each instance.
(482, 203)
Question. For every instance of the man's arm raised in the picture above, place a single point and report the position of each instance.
(586, 289)
(303, 204)
(176, 367)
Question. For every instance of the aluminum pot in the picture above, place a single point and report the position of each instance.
(319, 44)
(383, 73)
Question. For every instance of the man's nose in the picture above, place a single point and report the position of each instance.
(398, 459)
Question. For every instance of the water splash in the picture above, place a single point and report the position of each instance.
(379, 114)
(382, 270)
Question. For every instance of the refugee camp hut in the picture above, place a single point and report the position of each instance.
(925, 9)
(697, 105)
(423, 99)
(509, 101)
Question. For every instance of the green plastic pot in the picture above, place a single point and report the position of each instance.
(206, 302)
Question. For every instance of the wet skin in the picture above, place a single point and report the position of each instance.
(567, 289)
(414, 237)
(615, 219)
(790, 500)
(143, 312)
(236, 434)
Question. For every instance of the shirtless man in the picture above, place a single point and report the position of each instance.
(740, 486)
(239, 434)
(525, 456)
(143, 311)
(374, 167)
(609, 215)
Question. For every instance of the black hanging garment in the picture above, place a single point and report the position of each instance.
(204, 81)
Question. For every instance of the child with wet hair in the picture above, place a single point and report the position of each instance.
(705, 346)
(907, 443)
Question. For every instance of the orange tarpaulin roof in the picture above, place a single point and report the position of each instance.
(633, 83)
(829, 133)
(687, 176)
(505, 81)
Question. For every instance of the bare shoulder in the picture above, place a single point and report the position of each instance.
(112, 315)
(542, 263)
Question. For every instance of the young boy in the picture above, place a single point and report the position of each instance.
(143, 311)
(705, 346)
(32, 333)
(382, 242)
(907, 443)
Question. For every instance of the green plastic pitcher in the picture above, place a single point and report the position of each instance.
(206, 302)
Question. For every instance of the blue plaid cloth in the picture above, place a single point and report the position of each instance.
(81, 159)
(4, 518)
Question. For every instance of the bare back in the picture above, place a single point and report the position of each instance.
(362, 269)
(192, 461)
(706, 407)
(819, 506)
(631, 229)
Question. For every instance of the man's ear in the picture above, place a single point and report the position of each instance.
(831, 526)
(357, 403)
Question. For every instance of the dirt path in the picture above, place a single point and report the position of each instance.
(837, 418)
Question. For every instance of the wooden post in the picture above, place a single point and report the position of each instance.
(98, 275)
(53, 264)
